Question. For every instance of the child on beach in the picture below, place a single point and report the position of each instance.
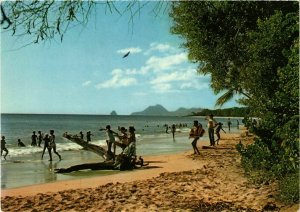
(196, 132)
(3, 147)
(218, 129)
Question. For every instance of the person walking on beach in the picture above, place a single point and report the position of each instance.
(237, 124)
(33, 139)
(3, 147)
(53, 144)
(173, 130)
(47, 146)
(40, 138)
(167, 128)
(211, 128)
(229, 124)
(20, 143)
(196, 132)
(218, 129)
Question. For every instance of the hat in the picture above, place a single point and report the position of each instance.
(131, 129)
(107, 127)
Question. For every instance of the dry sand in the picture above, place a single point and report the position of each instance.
(211, 181)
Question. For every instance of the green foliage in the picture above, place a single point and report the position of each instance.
(251, 48)
(289, 189)
(227, 112)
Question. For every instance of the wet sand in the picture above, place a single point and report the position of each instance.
(211, 181)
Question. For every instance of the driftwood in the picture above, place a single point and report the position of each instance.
(92, 166)
(122, 161)
(214, 147)
(87, 146)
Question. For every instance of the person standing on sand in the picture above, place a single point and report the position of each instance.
(196, 132)
(3, 147)
(237, 124)
(218, 129)
(173, 130)
(229, 124)
(211, 128)
(33, 139)
(47, 145)
(53, 144)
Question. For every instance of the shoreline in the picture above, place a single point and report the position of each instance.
(211, 181)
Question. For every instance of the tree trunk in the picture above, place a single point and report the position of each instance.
(92, 166)
(87, 146)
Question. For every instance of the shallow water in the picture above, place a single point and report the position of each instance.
(24, 166)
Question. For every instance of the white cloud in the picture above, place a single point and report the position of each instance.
(118, 80)
(163, 63)
(160, 47)
(132, 50)
(182, 79)
(86, 83)
(158, 64)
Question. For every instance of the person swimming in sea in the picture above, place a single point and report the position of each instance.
(20, 143)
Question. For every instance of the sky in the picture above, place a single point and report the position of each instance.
(87, 74)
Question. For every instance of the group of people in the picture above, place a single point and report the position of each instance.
(127, 141)
(197, 131)
(49, 145)
(88, 136)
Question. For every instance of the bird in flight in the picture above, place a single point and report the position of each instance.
(125, 55)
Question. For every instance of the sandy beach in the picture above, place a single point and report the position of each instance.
(211, 181)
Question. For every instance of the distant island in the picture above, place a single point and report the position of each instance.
(159, 110)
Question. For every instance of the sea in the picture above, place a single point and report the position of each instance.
(23, 165)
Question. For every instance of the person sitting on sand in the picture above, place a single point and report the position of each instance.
(20, 143)
(218, 129)
(196, 132)
(3, 147)
(53, 144)
(47, 145)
